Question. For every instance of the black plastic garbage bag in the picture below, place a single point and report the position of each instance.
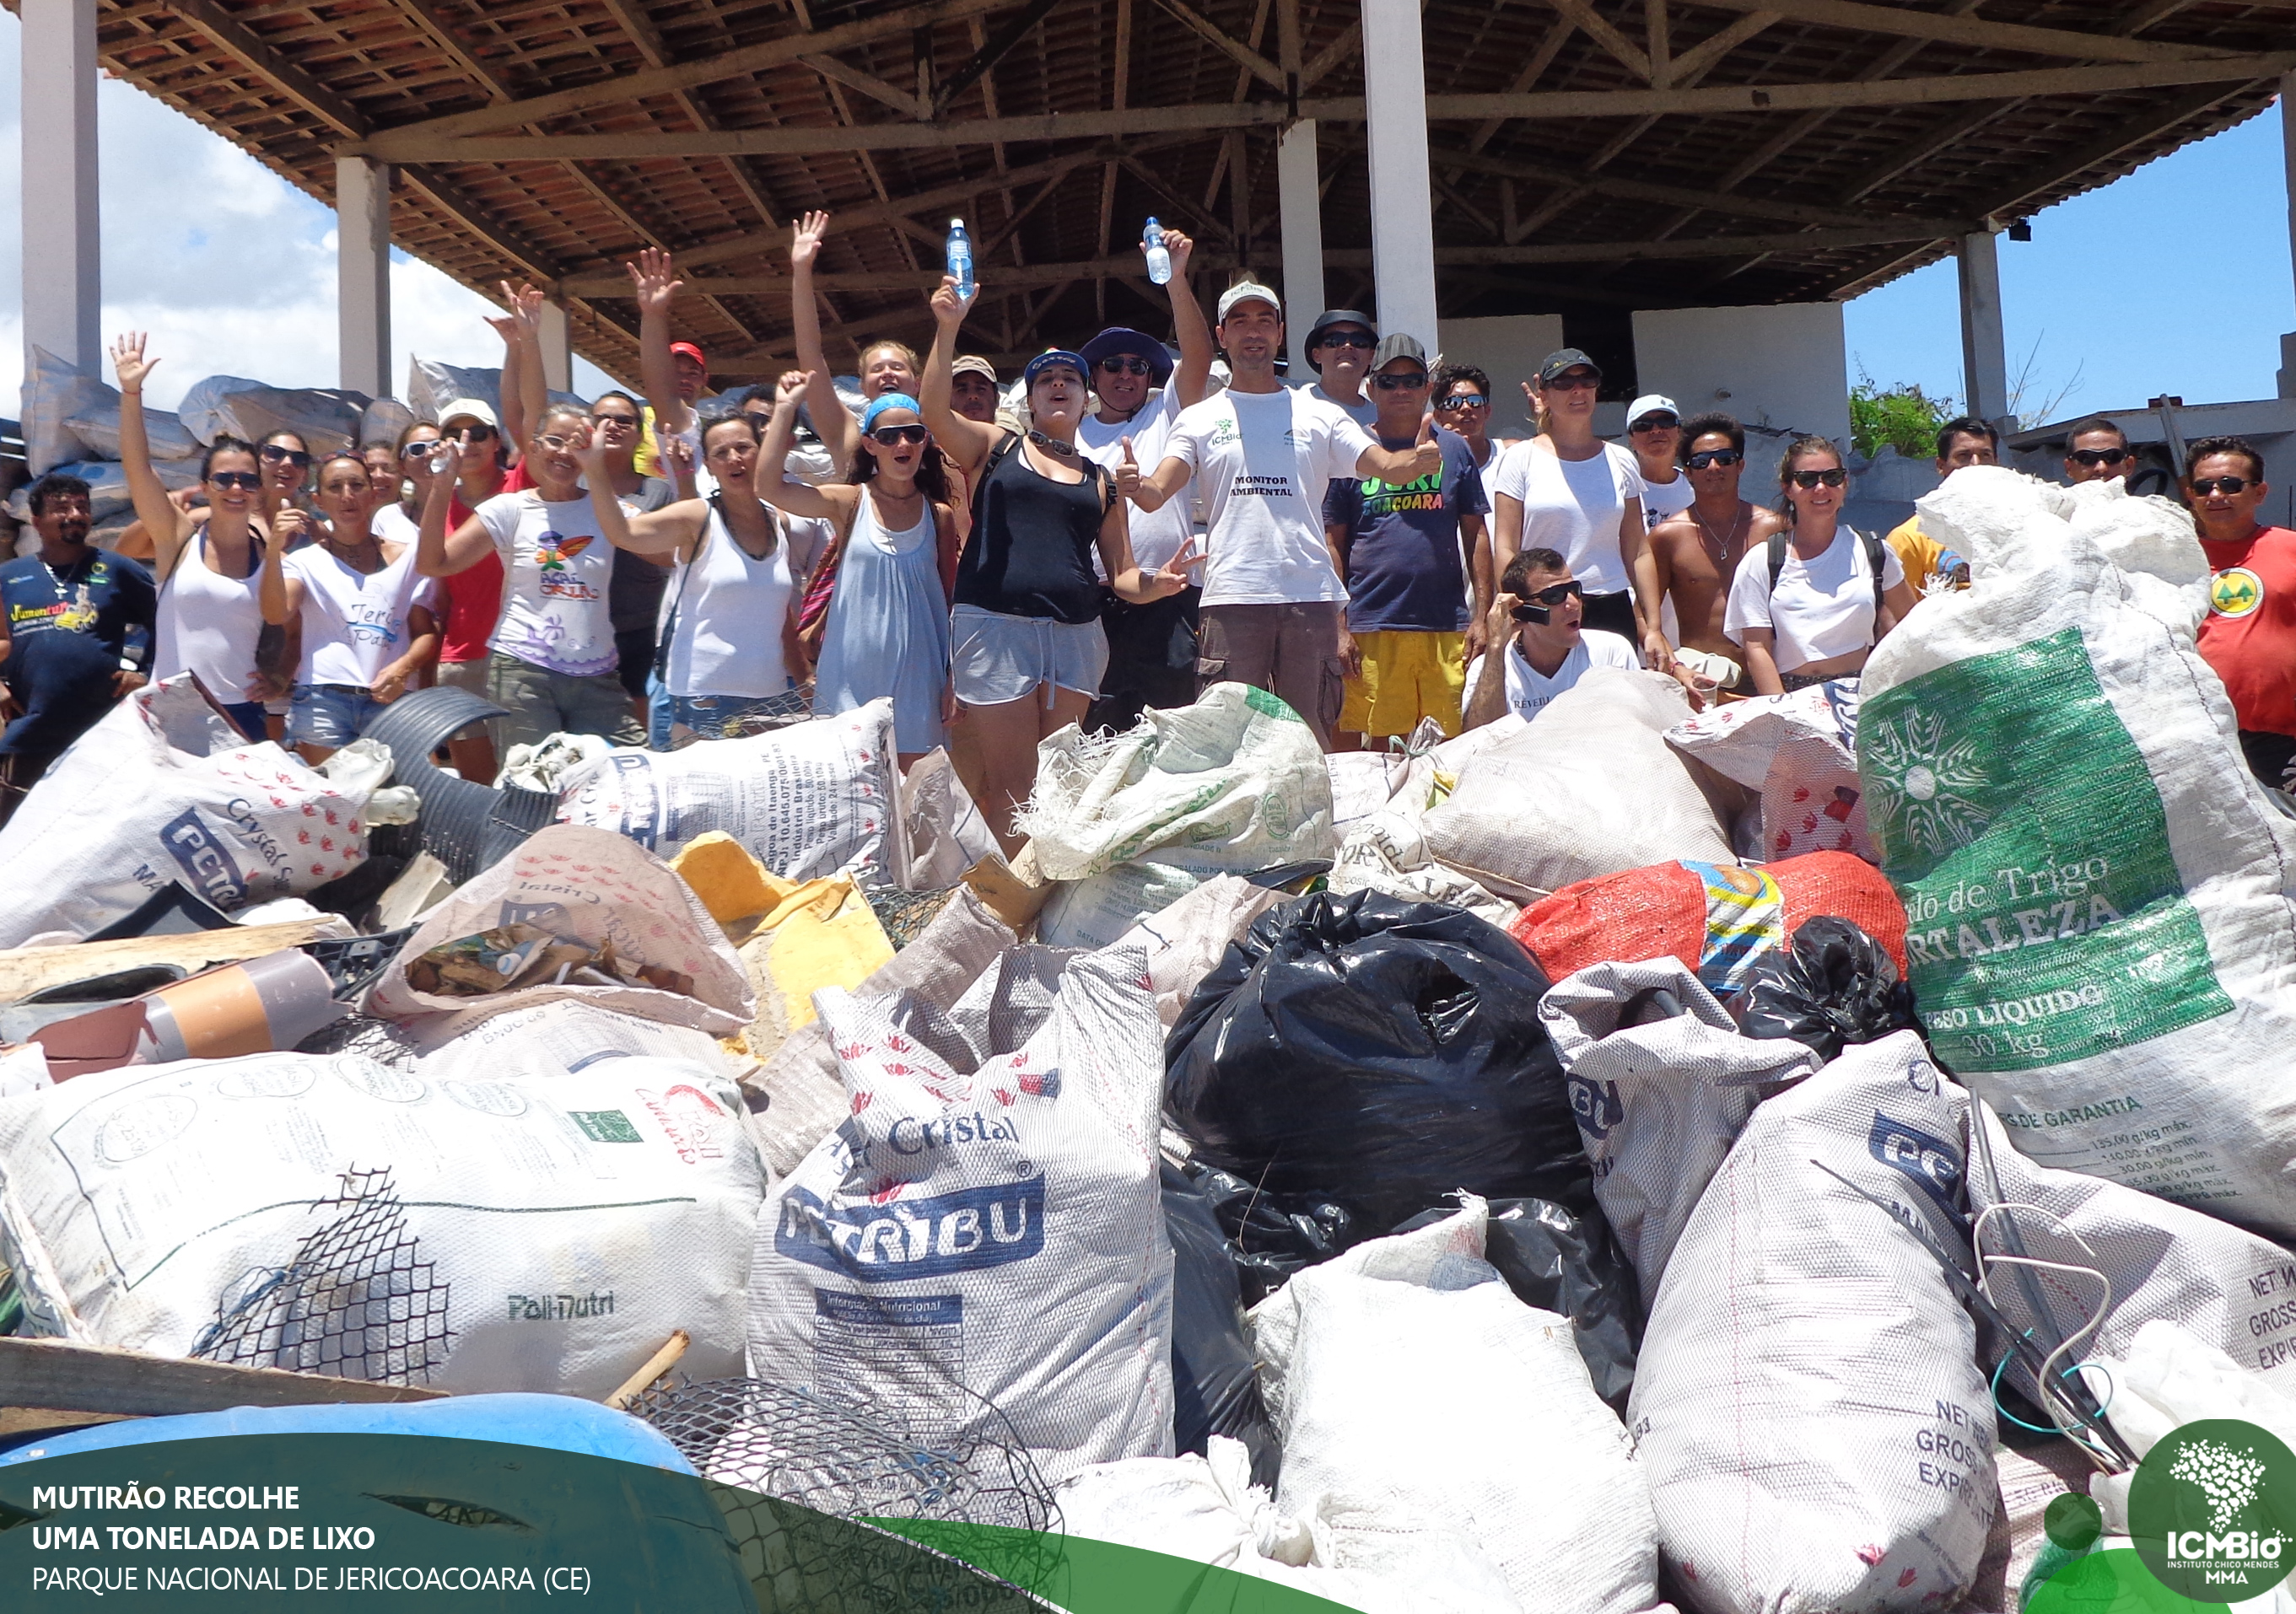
(1215, 1379)
(1833, 986)
(1270, 1236)
(1380, 1054)
(1553, 1260)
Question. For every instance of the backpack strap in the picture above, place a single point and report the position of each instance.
(1778, 557)
(1873, 560)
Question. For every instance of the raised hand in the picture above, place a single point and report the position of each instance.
(289, 525)
(128, 363)
(805, 239)
(789, 391)
(653, 282)
(1127, 472)
(1179, 246)
(949, 306)
(1427, 454)
(1172, 576)
(596, 461)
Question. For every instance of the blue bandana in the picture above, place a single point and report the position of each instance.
(891, 400)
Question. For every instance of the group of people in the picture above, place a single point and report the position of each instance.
(1116, 532)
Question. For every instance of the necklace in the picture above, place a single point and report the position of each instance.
(1721, 549)
(71, 573)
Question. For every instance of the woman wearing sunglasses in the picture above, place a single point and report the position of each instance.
(888, 368)
(208, 562)
(552, 664)
(1029, 649)
(885, 631)
(1812, 601)
(366, 626)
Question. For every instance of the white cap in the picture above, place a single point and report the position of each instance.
(469, 408)
(1652, 403)
(1247, 290)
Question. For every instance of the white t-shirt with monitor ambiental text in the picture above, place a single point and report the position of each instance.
(1262, 463)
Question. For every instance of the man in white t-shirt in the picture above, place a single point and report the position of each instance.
(1152, 648)
(1264, 455)
(1536, 627)
(1339, 348)
(1654, 433)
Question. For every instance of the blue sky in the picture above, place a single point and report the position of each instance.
(2175, 279)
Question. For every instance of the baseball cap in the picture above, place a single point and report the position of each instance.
(1055, 358)
(1119, 340)
(1563, 359)
(691, 351)
(973, 363)
(1248, 290)
(1652, 403)
(469, 409)
(1395, 347)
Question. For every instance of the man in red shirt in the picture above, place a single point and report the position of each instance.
(2248, 635)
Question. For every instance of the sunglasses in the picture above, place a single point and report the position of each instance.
(555, 443)
(1577, 381)
(1465, 400)
(2094, 457)
(1547, 598)
(473, 434)
(893, 435)
(428, 450)
(1833, 477)
(1399, 383)
(1346, 339)
(1655, 422)
(1121, 364)
(247, 479)
(1713, 456)
(625, 423)
(2207, 484)
(285, 456)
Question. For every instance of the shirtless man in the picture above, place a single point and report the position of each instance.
(1697, 551)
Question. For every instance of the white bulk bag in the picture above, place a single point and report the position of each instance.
(1798, 752)
(2099, 932)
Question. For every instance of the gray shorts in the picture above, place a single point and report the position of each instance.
(996, 659)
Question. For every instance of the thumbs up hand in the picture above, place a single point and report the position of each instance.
(1427, 454)
(1127, 472)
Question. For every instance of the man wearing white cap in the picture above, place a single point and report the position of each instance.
(1264, 456)
(1654, 433)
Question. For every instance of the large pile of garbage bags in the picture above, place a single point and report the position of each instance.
(1745, 1160)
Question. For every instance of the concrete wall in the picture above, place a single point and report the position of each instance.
(1509, 349)
(1781, 368)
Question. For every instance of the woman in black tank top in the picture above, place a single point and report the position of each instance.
(1026, 636)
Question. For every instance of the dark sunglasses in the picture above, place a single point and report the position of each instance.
(1713, 456)
(1833, 477)
(248, 479)
(889, 436)
(1398, 384)
(1655, 422)
(1122, 363)
(628, 423)
(2207, 484)
(1546, 599)
(286, 456)
(1577, 381)
(1346, 339)
(2097, 456)
(1465, 400)
(473, 434)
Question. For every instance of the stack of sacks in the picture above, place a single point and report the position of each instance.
(2099, 925)
(1799, 752)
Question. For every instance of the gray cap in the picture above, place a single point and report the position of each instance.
(1397, 345)
(1563, 359)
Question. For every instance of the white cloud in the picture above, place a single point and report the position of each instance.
(231, 269)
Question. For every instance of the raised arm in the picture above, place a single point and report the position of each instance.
(661, 534)
(775, 484)
(655, 286)
(1191, 377)
(438, 553)
(166, 524)
(524, 391)
(1397, 466)
(1489, 703)
(966, 442)
(838, 432)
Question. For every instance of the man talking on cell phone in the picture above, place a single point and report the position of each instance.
(1536, 638)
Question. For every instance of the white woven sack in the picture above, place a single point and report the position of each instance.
(1095, 911)
(1420, 1395)
(1658, 1103)
(562, 1229)
(1231, 785)
(1807, 1403)
(985, 1239)
(1588, 788)
(816, 798)
(2097, 892)
(557, 1038)
(2227, 1287)
(1800, 751)
(1185, 942)
(164, 788)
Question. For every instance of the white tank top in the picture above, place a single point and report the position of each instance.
(209, 624)
(725, 638)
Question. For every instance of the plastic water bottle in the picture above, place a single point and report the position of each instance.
(1160, 261)
(135, 647)
(960, 257)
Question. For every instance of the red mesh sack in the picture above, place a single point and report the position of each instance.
(1720, 920)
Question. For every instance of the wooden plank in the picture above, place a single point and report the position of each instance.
(24, 971)
(59, 1375)
(238, 40)
(1911, 22)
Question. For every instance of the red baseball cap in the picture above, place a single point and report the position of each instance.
(691, 351)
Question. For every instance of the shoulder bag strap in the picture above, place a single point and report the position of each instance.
(1778, 557)
(678, 600)
(1874, 559)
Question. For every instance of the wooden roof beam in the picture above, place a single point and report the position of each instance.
(1909, 23)
(236, 39)
(1590, 23)
(1259, 66)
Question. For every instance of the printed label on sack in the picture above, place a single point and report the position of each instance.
(907, 1349)
(1929, 1163)
(208, 868)
(2046, 919)
(896, 1240)
(1745, 922)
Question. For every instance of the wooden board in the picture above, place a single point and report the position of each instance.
(24, 971)
(56, 1381)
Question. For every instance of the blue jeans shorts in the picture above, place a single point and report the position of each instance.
(329, 714)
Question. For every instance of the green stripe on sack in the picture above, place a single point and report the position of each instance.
(2045, 919)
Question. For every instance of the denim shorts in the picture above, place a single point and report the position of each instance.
(329, 714)
(735, 716)
(995, 658)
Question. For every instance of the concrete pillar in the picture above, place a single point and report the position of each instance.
(363, 275)
(557, 349)
(63, 271)
(2288, 149)
(1301, 199)
(1984, 351)
(1402, 198)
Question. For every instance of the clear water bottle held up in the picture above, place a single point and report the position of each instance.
(960, 257)
(1160, 261)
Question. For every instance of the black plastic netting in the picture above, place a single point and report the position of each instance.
(797, 1474)
(357, 1300)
